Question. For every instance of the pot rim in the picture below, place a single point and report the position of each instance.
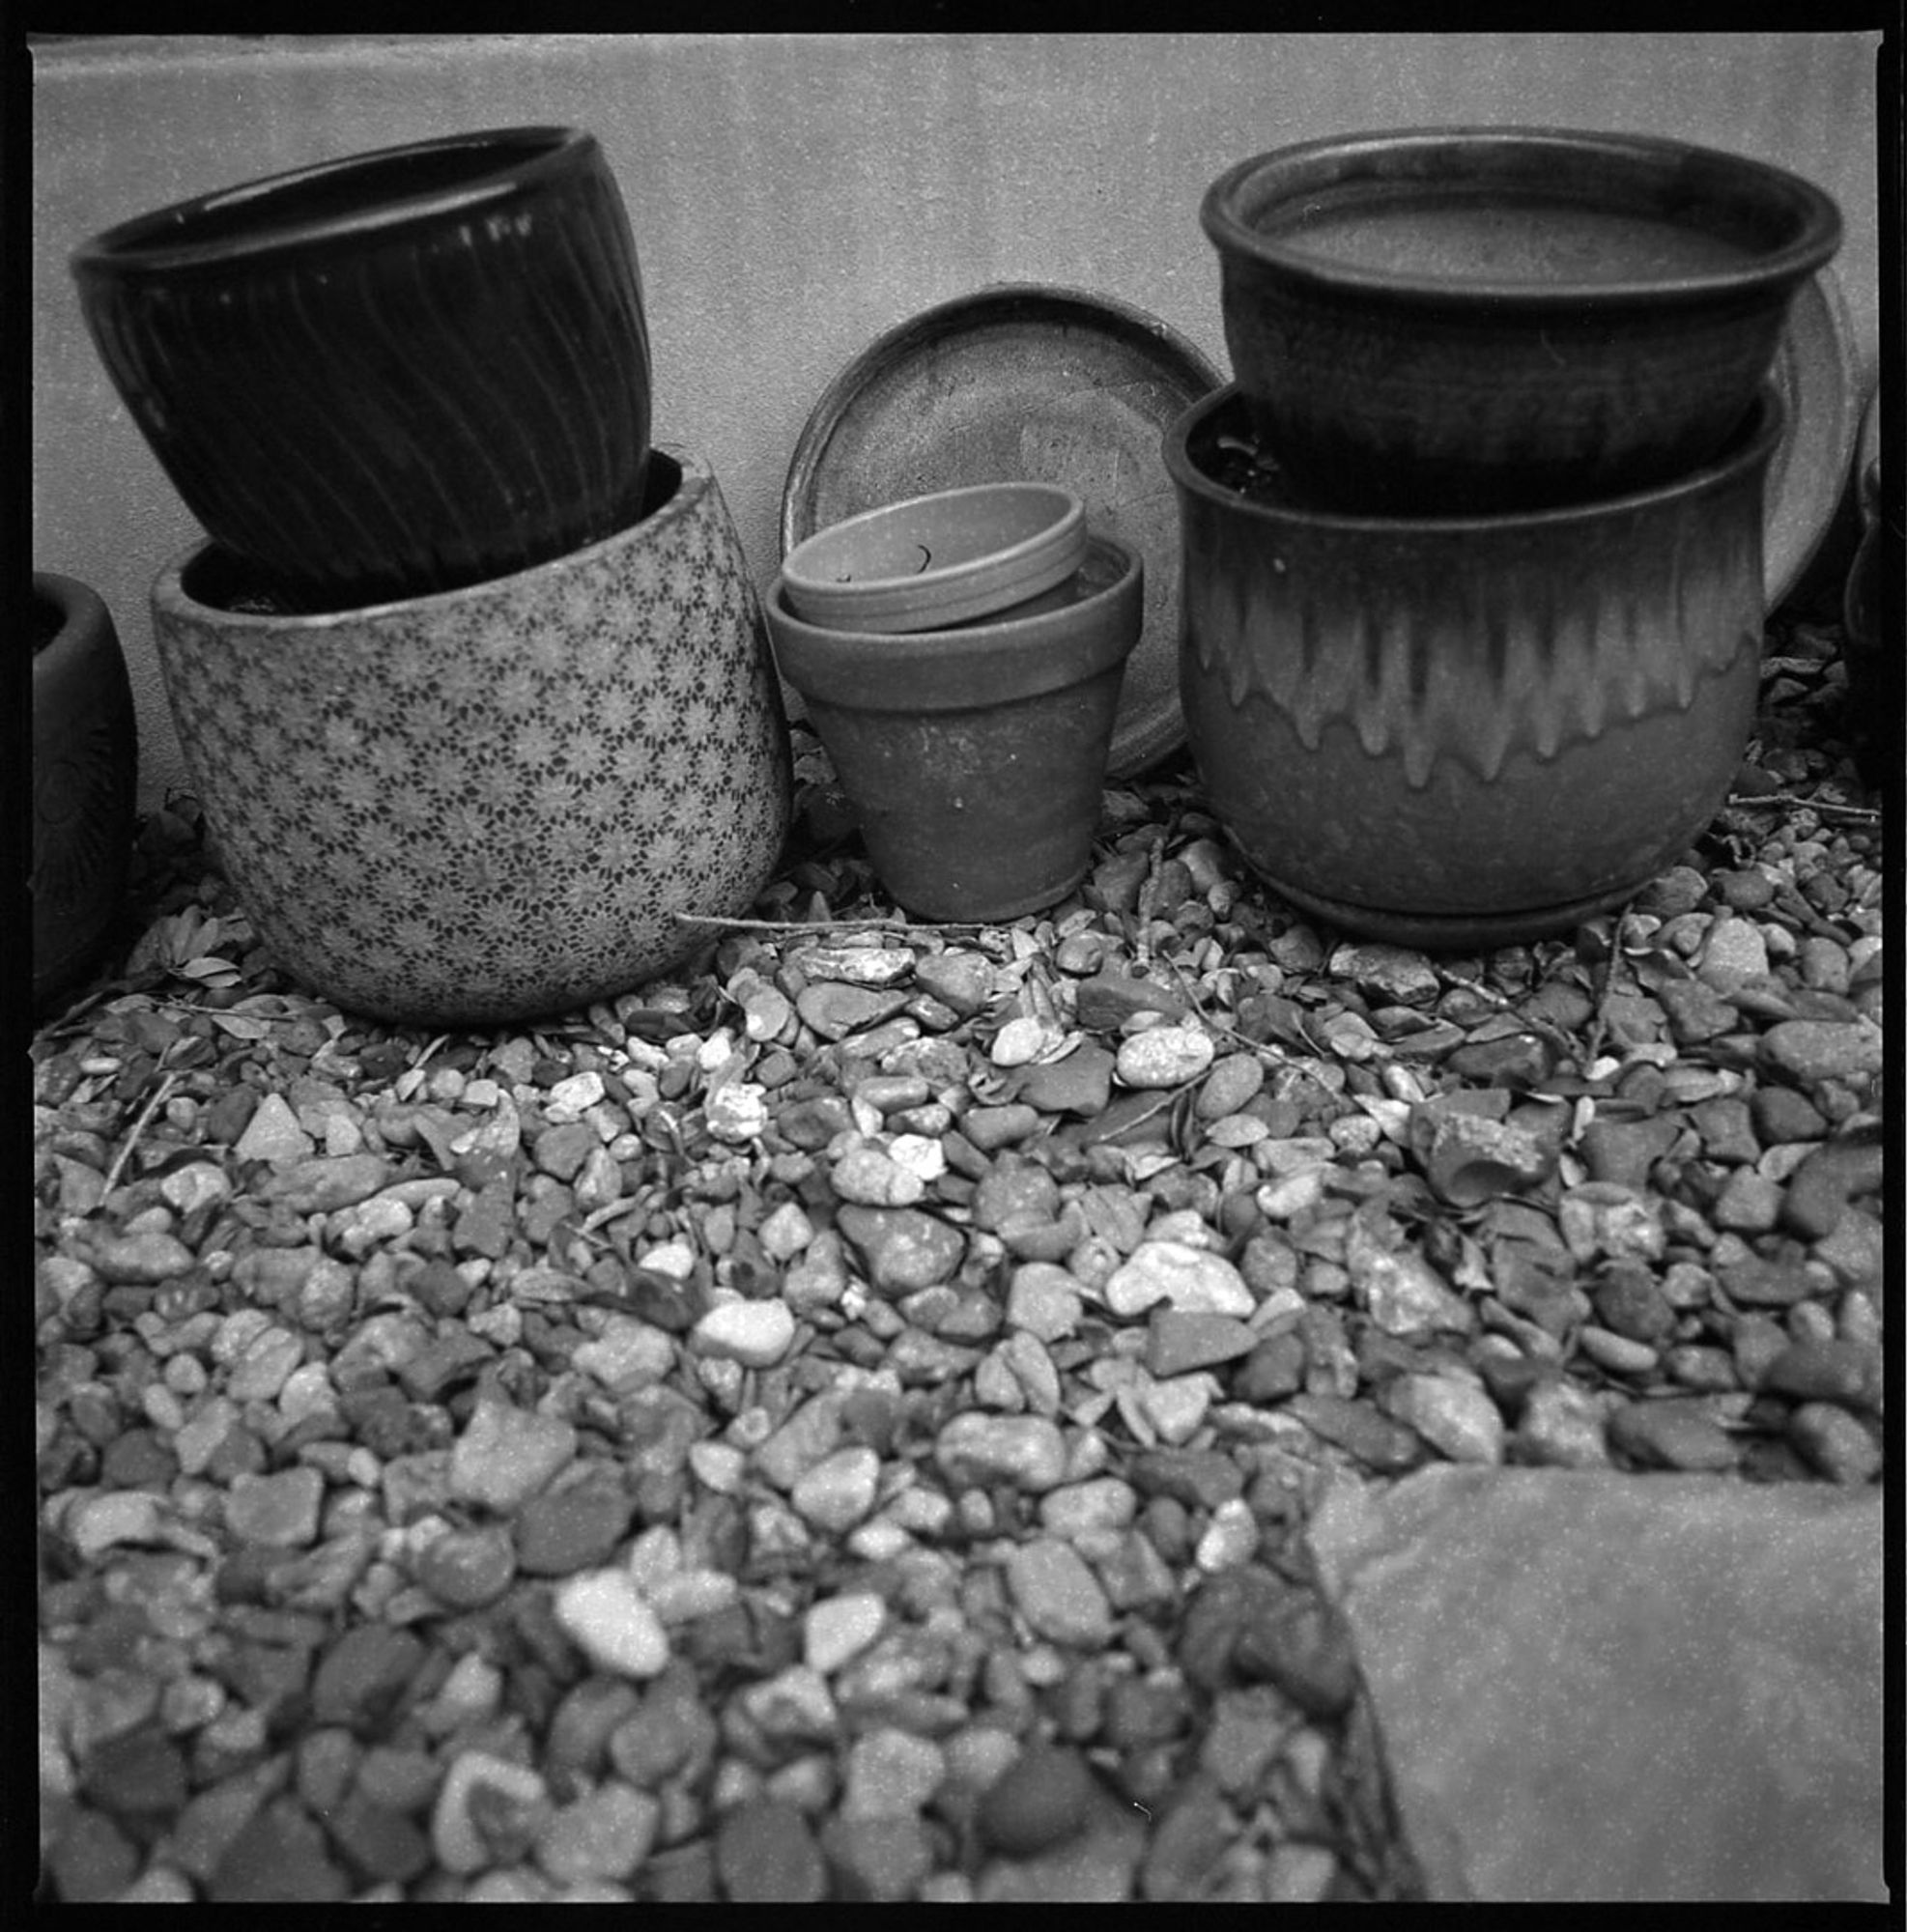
(258, 220)
(1747, 451)
(972, 667)
(1012, 573)
(169, 593)
(1818, 237)
(77, 600)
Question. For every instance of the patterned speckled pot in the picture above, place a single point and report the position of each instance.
(491, 804)
(1466, 732)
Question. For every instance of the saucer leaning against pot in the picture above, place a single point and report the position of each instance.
(502, 801)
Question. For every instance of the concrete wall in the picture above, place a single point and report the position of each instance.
(792, 196)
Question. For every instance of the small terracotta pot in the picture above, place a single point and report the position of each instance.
(931, 561)
(480, 806)
(975, 757)
(85, 777)
(393, 374)
(1468, 731)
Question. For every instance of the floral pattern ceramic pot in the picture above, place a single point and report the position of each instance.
(498, 802)
(1466, 732)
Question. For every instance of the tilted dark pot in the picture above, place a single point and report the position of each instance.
(85, 778)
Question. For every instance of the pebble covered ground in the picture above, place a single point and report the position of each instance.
(839, 1422)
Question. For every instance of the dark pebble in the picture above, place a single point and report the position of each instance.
(1628, 1300)
(139, 1775)
(225, 1121)
(1672, 1433)
(1272, 1370)
(1041, 1799)
(1187, 1843)
(576, 1523)
(1198, 1478)
(139, 1458)
(682, 1875)
(765, 1855)
(877, 1860)
(1849, 1372)
(363, 1676)
(1359, 1429)
(91, 1860)
(383, 1844)
(1757, 1282)
(280, 1857)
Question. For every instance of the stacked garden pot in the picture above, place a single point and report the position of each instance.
(472, 683)
(1472, 581)
(960, 655)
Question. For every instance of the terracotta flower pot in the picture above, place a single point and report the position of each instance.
(491, 803)
(393, 374)
(1465, 731)
(85, 778)
(975, 756)
(930, 561)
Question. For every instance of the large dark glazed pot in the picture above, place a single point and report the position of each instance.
(393, 374)
(1465, 731)
(501, 801)
(1475, 320)
(85, 778)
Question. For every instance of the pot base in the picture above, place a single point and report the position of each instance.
(1453, 931)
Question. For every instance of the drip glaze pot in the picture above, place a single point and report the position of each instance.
(1465, 732)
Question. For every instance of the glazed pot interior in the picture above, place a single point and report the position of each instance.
(217, 579)
(45, 620)
(428, 178)
(1417, 211)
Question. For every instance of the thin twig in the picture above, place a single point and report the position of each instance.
(812, 927)
(1861, 815)
(1599, 1020)
(132, 1141)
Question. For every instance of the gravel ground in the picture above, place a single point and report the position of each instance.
(839, 1422)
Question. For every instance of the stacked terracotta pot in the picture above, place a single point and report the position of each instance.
(960, 655)
(1473, 584)
(471, 683)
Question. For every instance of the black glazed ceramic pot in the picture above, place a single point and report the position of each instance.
(393, 375)
(85, 777)
(1453, 321)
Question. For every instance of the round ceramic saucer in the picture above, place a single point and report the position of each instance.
(1023, 381)
(1815, 372)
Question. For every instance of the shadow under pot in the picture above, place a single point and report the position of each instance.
(85, 780)
(1465, 732)
(392, 373)
(503, 801)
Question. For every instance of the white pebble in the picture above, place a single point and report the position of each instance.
(1230, 1539)
(1022, 1039)
(838, 1490)
(838, 1628)
(101, 1523)
(454, 1836)
(785, 1232)
(1182, 1276)
(758, 1334)
(612, 1622)
(1166, 1056)
(737, 1110)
